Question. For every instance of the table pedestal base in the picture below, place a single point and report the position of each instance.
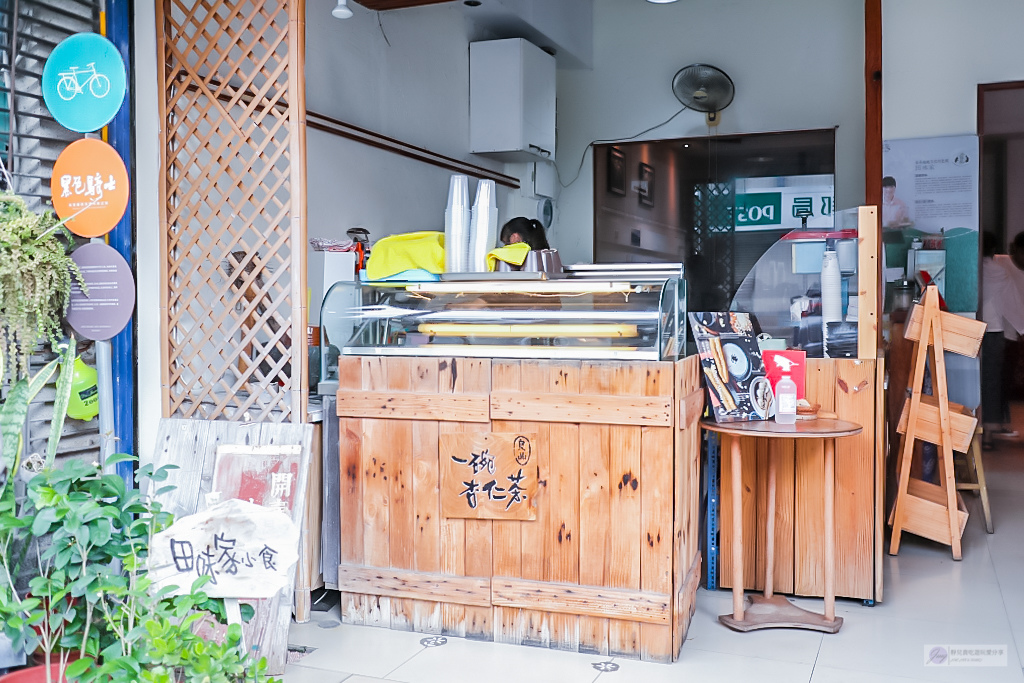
(778, 612)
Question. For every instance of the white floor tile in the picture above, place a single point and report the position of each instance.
(827, 674)
(707, 633)
(296, 673)
(701, 665)
(890, 646)
(465, 660)
(364, 650)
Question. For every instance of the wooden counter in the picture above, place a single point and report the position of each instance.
(611, 562)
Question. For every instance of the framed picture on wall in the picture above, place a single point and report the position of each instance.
(646, 188)
(616, 171)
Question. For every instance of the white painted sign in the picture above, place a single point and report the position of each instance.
(247, 550)
(782, 202)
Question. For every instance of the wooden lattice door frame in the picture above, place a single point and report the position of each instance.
(233, 216)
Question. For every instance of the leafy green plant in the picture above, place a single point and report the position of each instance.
(90, 592)
(15, 410)
(36, 275)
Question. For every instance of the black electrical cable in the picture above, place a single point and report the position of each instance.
(590, 144)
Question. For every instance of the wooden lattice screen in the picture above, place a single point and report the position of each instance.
(234, 230)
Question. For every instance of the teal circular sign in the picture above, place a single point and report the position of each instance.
(84, 82)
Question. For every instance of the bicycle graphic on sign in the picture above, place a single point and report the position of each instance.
(68, 87)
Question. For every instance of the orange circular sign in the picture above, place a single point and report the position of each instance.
(90, 183)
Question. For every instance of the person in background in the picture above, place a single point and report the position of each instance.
(1002, 309)
(522, 229)
(1017, 251)
(894, 210)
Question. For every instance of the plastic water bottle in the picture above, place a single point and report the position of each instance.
(785, 401)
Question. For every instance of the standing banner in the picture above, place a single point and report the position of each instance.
(931, 190)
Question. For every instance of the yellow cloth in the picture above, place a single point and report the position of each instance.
(408, 251)
(513, 253)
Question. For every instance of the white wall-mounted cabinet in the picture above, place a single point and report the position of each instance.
(511, 100)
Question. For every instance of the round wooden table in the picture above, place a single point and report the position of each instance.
(776, 611)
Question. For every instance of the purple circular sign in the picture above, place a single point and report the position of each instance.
(111, 300)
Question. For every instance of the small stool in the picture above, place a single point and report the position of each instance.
(976, 471)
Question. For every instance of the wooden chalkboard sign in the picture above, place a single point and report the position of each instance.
(489, 475)
(240, 460)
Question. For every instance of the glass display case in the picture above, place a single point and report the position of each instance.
(804, 289)
(640, 315)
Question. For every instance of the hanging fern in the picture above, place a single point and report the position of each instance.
(36, 274)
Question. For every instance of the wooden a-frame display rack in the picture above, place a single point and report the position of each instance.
(922, 508)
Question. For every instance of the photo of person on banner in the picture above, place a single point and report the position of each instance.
(894, 210)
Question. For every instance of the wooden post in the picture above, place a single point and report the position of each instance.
(830, 530)
(737, 529)
(769, 561)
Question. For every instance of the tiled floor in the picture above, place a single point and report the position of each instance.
(929, 600)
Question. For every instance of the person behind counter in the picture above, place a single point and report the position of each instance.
(522, 229)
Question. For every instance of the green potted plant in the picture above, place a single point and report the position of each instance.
(36, 276)
(90, 594)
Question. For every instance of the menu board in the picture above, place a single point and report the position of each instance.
(732, 365)
(105, 306)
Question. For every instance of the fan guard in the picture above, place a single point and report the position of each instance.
(703, 88)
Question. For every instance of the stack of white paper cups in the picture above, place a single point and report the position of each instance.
(456, 225)
(831, 289)
(483, 233)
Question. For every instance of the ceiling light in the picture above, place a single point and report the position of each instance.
(661, 2)
(341, 11)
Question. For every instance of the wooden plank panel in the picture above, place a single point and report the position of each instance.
(479, 537)
(809, 531)
(748, 448)
(414, 406)
(595, 504)
(926, 512)
(854, 477)
(881, 425)
(785, 494)
(656, 480)
(761, 503)
(569, 598)
(561, 539)
(622, 562)
(402, 528)
(406, 584)
(868, 293)
(350, 466)
(308, 574)
(426, 616)
(451, 380)
(691, 407)
(686, 544)
(534, 378)
(962, 424)
(593, 408)
(959, 334)
(376, 492)
(507, 538)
